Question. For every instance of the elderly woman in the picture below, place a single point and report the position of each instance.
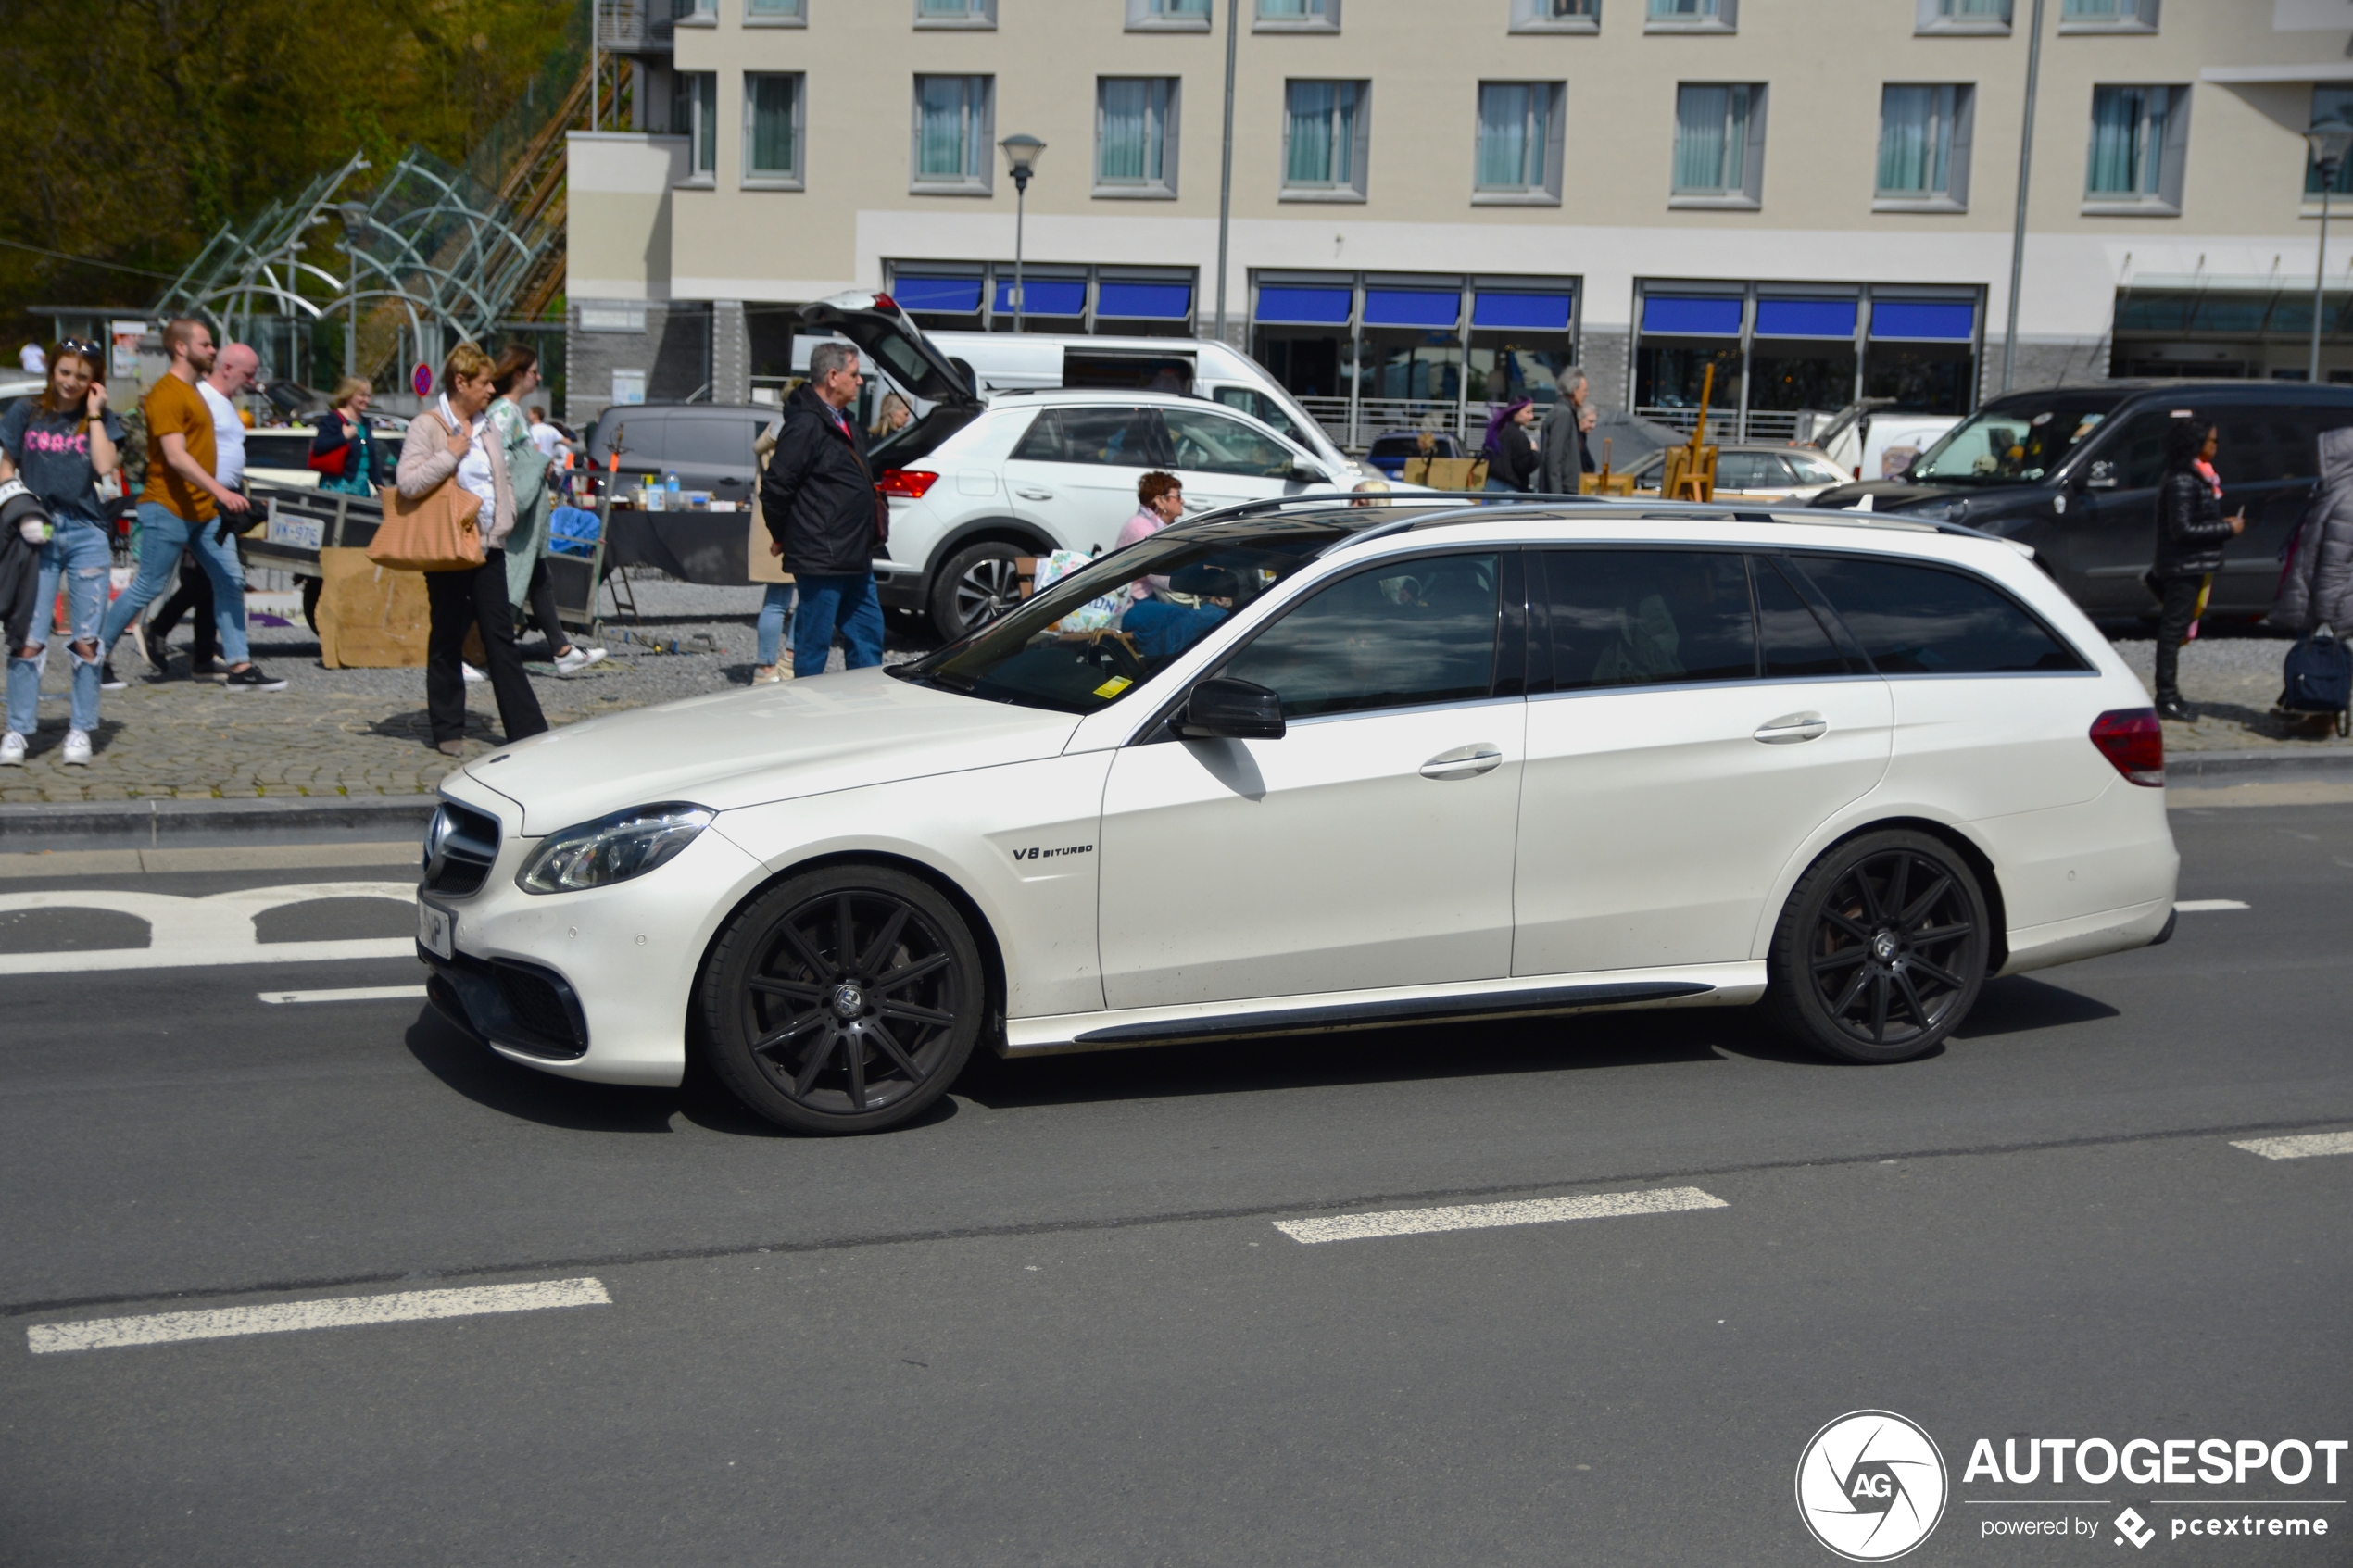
(346, 428)
(454, 443)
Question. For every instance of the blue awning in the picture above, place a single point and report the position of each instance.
(1144, 302)
(1805, 318)
(1427, 308)
(1044, 296)
(958, 296)
(1687, 315)
(1305, 307)
(1532, 312)
(1944, 321)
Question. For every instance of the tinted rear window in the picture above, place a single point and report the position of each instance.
(1639, 617)
(1928, 620)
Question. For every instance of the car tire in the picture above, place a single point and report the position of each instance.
(1880, 951)
(979, 583)
(843, 1000)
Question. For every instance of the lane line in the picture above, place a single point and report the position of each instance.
(288, 1317)
(1485, 1216)
(348, 994)
(2303, 1147)
(2206, 906)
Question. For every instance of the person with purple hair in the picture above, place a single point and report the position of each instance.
(1510, 449)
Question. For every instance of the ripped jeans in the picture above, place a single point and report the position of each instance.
(80, 556)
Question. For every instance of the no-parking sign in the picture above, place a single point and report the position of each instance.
(421, 380)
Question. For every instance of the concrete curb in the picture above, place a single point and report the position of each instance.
(129, 824)
(2269, 765)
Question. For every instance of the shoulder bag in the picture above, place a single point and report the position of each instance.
(436, 532)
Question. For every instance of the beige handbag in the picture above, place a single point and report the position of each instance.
(761, 564)
(438, 532)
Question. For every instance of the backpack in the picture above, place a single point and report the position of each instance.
(2318, 675)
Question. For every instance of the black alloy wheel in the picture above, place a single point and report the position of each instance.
(844, 1000)
(1881, 952)
(978, 585)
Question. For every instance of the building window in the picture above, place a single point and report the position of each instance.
(1135, 136)
(771, 131)
(952, 134)
(2138, 137)
(1690, 16)
(1173, 16)
(1556, 15)
(1519, 141)
(1719, 144)
(694, 114)
(2107, 16)
(1923, 148)
(2329, 103)
(695, 13)
(1295, 16)
(956, 13)
(776, 13)
(1962, 15)
(1324, 140)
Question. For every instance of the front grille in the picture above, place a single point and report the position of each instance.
(459, 849)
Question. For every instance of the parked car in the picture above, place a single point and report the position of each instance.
(2073, 471)
(1391, 448)
(981, 479)
(708, 445)
(280, 455)
(1873, 438)
(1796, 473)
(1329, 772)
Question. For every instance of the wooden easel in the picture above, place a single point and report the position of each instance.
(1689, 474)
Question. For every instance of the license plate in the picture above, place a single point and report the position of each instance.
(436, 929)
(296, 532)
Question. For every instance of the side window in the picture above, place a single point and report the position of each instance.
(1794, 642)
(1927, 621)
(1259, 406)
(713, 442)
(1207, 443)
(1113, 436)
(1414, 632)
(1744, 470)
(2133, 458)
(640, 440)
(1640, 618)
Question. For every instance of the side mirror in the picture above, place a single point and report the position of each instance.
(1224, 708)
(1303, 474)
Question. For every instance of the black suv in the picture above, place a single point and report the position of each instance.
(2072, 471)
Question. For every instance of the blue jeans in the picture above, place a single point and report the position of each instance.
(775, 610)
(79, 555)
(162, 536)
(845, 604)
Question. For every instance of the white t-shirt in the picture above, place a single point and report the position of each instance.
(228, 436)
(473, 468)
(33, 358)
(548, 438)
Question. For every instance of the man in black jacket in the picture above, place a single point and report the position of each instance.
(2191, 531)
(819, 502)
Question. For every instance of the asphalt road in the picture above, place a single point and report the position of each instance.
(1056, 1322)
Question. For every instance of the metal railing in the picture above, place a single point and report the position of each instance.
(1729, 424)
(1353, 426)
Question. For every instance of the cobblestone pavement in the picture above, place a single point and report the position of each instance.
(363, 732)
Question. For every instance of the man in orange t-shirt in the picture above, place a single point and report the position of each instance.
(182, 498)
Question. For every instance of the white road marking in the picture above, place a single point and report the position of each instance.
(2206, 906)
(1483, 1216)
(348, 994)
(287, 1317)
(2304, 1146)
(203, 932)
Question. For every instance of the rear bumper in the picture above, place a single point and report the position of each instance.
(2089, 936)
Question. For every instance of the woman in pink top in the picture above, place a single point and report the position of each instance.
(1160, 500)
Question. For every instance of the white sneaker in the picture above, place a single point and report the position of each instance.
(473, 676)
(770, 674)
(12, 750)
(77, 749)
(577, 660)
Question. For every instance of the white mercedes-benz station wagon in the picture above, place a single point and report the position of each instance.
(1318, 766)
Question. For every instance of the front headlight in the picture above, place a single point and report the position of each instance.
(612, 850)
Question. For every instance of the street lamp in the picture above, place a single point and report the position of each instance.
(2329, 141)
(355, 218)
(1021, 161)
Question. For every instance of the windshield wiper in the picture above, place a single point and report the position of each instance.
(916, 673)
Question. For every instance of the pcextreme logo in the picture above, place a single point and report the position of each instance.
(1871, 1485)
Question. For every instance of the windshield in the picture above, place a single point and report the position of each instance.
(1089, 638)
(2023, 440)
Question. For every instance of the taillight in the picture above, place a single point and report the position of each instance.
(2131, 739)
(909, 483)
(884, 302)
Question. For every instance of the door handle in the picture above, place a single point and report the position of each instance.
(1031, 492)
(1463, 761)
(1792, 727)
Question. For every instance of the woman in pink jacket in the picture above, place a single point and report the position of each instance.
(1160, 500)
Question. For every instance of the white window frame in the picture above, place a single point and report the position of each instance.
(978, 15)
(1546, 192)
(698, 91)
(1161, 189)
(793, 13)
(696, 13)
(981, 139)
(1537, 16)
(796, 177)
(1360, 147)
(1954, 196)
(2173, 157)
(1145, 16)
(1933, 18)
(1726, 18)
(1323, 16)
(2143, 19)
(1751, 195)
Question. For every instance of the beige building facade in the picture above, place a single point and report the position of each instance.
(1434, 206)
